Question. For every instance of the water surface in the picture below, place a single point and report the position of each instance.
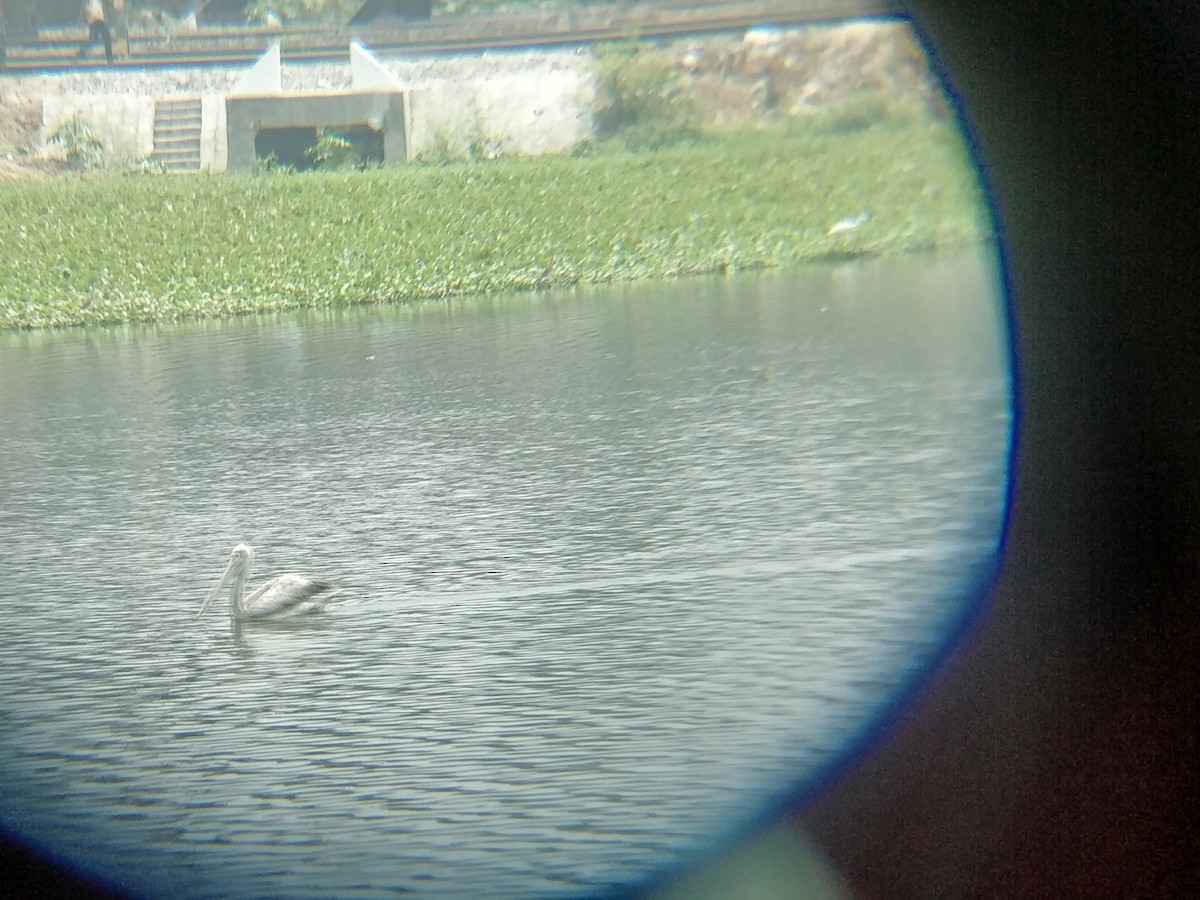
(619, 569)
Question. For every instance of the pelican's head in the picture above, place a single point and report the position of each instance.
(239, 563)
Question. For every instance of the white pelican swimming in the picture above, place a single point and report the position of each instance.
(282, 597)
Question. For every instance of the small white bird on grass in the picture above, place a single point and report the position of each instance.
(843, 225)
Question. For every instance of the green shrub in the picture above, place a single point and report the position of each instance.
(333, 151)
(862, 110)
(641, 99)
(474, 145)
(439, 151)
(484, 146)
(270, 165)
(78, 144)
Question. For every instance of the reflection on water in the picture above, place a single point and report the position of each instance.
(618, 570)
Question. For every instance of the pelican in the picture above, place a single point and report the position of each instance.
(282, 597)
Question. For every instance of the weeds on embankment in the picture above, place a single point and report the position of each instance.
(141, 248)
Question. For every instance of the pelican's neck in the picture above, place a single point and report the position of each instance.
(237, 590)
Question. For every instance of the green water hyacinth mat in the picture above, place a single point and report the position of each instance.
(150, 248)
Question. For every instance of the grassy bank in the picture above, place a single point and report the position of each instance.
(153, 248)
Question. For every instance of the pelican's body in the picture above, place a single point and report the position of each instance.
(282, 597)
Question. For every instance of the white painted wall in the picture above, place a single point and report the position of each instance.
(517, 102)
(526, 103)
(214, 147)
(124, 122)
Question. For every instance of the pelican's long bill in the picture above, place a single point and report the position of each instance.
(212, 595)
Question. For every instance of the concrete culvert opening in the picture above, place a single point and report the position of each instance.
(310, 147)
(285, 147)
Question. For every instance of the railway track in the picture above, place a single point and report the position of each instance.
(239, 46)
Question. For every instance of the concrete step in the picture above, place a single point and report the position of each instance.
(188, 144)
(190, 133)
(177, 156)
(177, 120)
(177, 127)
(178, 163)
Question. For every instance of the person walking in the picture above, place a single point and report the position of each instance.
(98, 30)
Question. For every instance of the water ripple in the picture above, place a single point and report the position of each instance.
(616, 570)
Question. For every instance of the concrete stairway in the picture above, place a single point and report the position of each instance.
(177, 134)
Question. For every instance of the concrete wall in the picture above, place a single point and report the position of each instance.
(514, 102)
(524, 103)
(382, 110)
(124, 122)
(214, 147)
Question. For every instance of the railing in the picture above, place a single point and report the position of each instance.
(578, 25)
